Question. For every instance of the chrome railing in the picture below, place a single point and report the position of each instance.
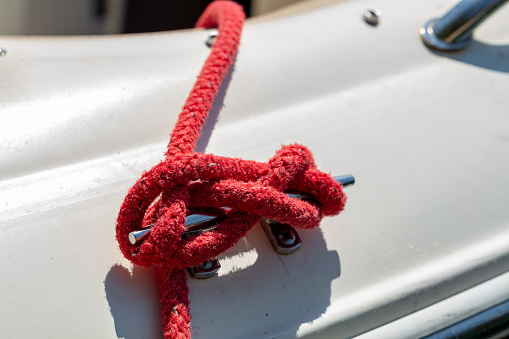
(454, 30)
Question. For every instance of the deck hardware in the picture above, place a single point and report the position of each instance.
(205, 270)
(454, 30)
(137, 236)
(371, 17)
(211, 39)
(286, 236)
(283, 237)
(195, 224)
(345, 180)
(199, 223)
(3, 51)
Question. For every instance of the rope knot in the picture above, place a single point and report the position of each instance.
(250, 190)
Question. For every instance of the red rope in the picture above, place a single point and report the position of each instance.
(187, 180)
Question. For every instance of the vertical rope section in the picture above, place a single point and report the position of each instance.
(228, 17)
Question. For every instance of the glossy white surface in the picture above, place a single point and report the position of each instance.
(425, 134)
(446, 312)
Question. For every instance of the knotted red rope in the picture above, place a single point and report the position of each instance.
(186, 180)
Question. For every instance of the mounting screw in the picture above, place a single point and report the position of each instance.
(283, 237)
(3, 51)
(286, 236)
(371, 16)
(205, 270)
(207, 265)
(211, 39)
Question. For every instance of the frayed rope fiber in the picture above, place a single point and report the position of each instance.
(186, 180)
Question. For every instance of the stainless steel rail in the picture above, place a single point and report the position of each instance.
(492, 323)
(454, 30)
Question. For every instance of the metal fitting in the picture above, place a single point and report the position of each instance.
(454, 30)
(283, 237)
(211, 39)
(372, 17)
(205, 270)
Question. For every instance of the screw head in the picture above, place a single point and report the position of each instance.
(286, 236)
(207, 265)
(371, 17)
(3, 52)
(205, 270)
(211, 39)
